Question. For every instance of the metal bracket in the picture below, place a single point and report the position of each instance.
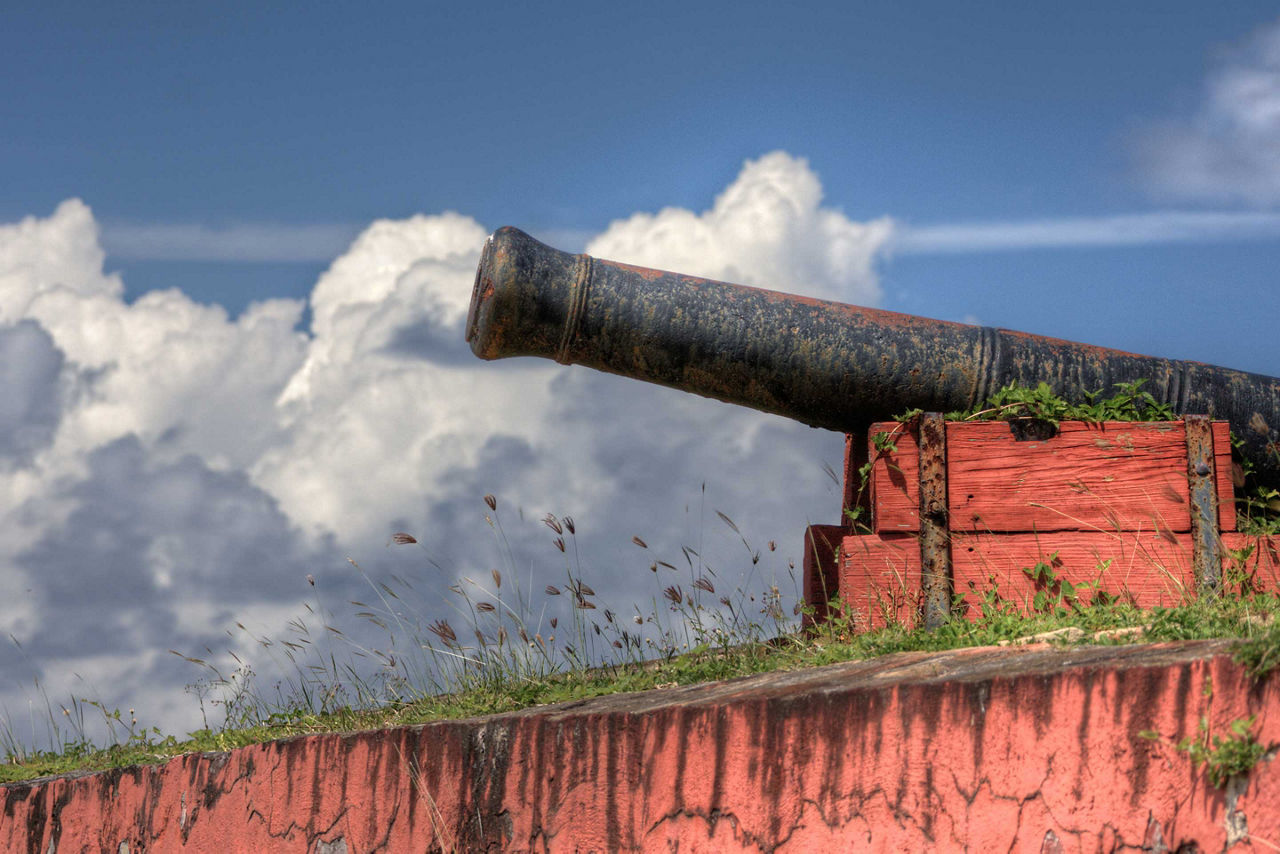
(935, 538)
(1206, 545)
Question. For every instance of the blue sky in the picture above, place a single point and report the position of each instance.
(562, 121)
(1096, 171)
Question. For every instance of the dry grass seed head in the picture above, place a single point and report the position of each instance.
(442, 630)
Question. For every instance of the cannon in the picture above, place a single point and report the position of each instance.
(822, 363)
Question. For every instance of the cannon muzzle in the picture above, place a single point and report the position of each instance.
(825, 364)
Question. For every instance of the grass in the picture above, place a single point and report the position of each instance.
(510, 643)
(512, 655)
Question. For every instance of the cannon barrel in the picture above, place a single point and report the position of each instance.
(825, 364)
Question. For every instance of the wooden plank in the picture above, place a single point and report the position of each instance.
(1222, 466)
(821, 575)
(1146, 568)
(857, 500)
(1102, 477)
(1257, 570)
(895, 480)
(880, 579)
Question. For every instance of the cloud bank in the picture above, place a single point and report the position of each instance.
(167, 471)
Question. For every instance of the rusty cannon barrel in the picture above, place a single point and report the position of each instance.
(825, 364)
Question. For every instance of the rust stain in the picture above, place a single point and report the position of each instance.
(651, 275)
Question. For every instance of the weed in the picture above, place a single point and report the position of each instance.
(1055, 594)
(1259, 655)
(1257, 505)
(763, 642)
(1012, 402)
(1228, 757)
(1224, 758)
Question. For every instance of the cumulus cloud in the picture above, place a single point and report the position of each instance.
(165, 366)
(1229, 148)
(767, 229)
(30, 394)
(100, 398)
(175, 471)
(146, 536)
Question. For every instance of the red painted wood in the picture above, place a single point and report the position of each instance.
(1145, 568)
(1222, 469)
(1258, 566)
(856, 500)
(895, 480)
(821, 579)
(880, 579)
(1100, 477)
(879, 575)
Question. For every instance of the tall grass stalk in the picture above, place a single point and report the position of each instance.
(508, 639)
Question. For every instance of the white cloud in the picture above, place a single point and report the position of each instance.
(31, 368)
(185, 390)
(164, 366)
(45, 255)
(1229, 148)
(197, 465)
(767, 229)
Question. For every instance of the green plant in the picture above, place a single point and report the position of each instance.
(1257, 505)
(1224, 758)
(1055, 594)
(883, 443)
(1259, 655)
(1040, 403)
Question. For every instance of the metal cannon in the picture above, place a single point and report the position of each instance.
(822, 363)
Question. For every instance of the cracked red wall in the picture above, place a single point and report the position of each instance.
(1032, 748)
